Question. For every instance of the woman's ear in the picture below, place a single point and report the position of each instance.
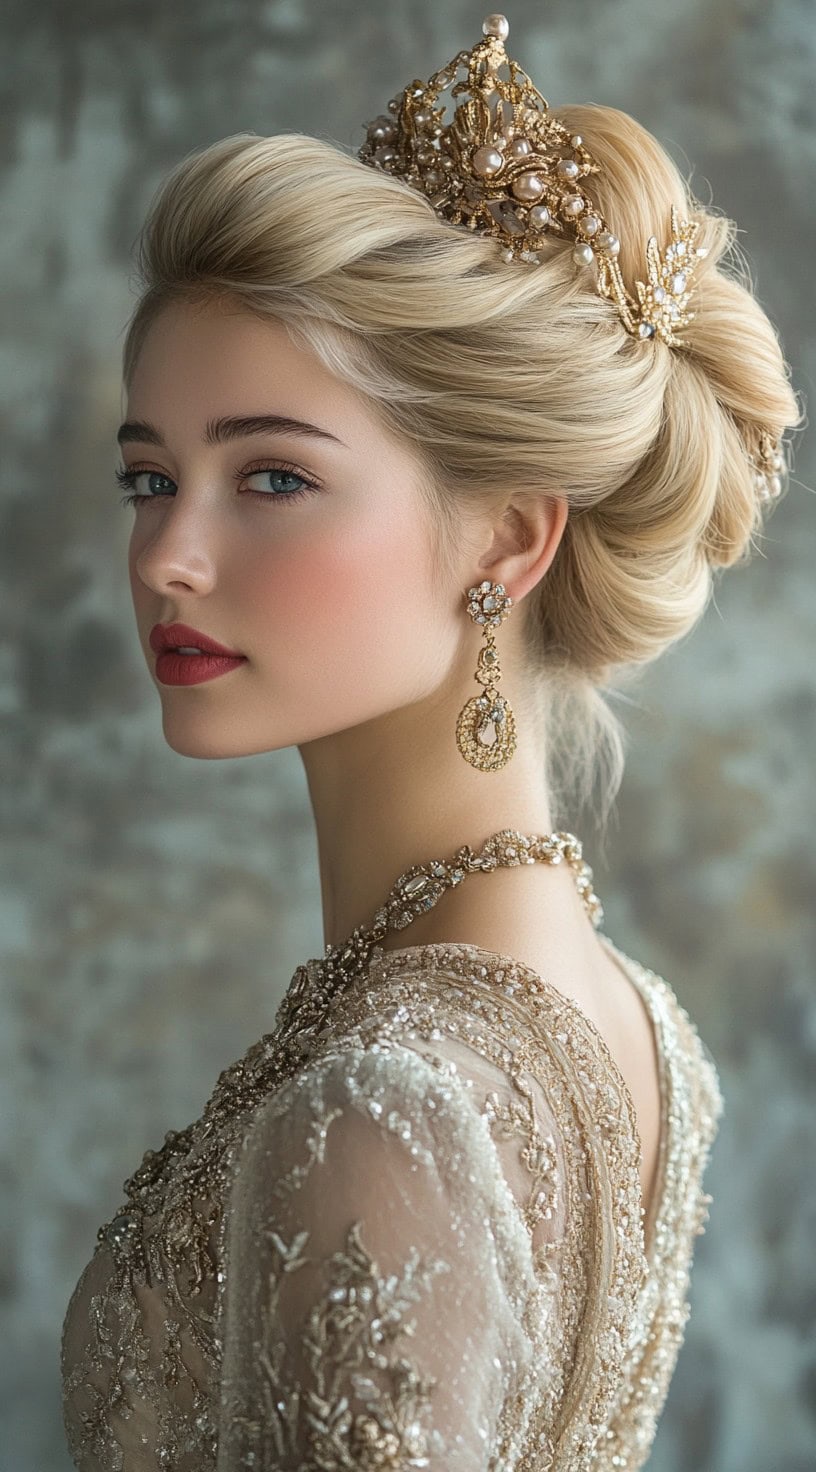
(525, 539)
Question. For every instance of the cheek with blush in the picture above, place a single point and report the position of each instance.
(349, 622)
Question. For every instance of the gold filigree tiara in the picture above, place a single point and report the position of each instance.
(507, 168)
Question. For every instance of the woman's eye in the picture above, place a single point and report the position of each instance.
(276, 484)
(130, 478)
(274, 481)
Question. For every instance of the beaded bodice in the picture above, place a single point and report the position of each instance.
(406, 1234)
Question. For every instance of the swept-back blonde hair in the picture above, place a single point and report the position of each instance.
(506, 379)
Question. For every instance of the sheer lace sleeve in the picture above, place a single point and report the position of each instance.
(379, 1275)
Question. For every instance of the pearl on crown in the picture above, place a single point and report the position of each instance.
(487, 161)
(528, 186)
(496, 25)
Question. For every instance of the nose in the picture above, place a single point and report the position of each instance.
(174, 547)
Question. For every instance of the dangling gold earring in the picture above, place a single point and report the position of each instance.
(486, 728)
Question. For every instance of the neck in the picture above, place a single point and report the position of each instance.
(396, 792)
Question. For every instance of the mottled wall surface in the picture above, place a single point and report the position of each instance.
(152, 908)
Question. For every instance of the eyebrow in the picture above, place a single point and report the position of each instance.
(231, 427)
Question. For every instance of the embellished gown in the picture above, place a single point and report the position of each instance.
(406, 1232)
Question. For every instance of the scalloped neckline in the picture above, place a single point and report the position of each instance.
(626, 965)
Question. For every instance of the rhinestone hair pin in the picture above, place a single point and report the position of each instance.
(505, 167)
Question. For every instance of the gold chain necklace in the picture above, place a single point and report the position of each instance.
(314, 986)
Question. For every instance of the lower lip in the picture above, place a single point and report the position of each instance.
(192, 669)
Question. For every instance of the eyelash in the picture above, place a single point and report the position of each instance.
(129, 477)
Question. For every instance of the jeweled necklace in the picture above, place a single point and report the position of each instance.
(420, 888)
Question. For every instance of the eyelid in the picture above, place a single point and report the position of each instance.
(269, 462)
(274, 462)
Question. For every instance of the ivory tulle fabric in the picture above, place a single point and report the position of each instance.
(408, 1236)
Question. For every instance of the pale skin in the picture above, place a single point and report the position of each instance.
(354, 652)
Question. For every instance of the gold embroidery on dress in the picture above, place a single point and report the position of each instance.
(602, 1320)
(357, 1319)
(539, 1154)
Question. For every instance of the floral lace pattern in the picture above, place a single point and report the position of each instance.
(406, 1232)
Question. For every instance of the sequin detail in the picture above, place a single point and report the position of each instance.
(501, 1136)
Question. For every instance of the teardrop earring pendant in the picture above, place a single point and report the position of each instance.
(486, 728)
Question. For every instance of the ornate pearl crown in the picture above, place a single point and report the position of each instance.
(507, 168)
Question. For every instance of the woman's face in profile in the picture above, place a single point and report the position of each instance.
(309, 553)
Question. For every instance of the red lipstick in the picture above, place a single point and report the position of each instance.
(174, 668)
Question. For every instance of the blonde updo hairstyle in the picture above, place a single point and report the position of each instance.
(507, 378)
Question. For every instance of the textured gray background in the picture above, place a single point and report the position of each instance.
(152, 908)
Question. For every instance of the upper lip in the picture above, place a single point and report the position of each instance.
(175, 636)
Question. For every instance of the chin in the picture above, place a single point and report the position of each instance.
(192, 746)
(197, 735)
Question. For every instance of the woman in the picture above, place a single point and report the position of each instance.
(443, 1215)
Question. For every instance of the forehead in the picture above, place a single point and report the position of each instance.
(211, 358)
